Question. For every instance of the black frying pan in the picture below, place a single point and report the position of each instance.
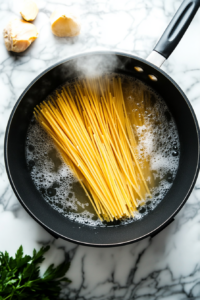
(145, 70)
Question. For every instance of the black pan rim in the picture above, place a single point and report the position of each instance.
(128, 55)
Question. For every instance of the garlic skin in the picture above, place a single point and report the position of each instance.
(19, 35)
(29, 10)
(64, 24)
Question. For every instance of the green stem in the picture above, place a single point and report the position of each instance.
(9, 296)
(6, 297)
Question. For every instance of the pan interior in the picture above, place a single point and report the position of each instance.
(158, 147)
(52, 220)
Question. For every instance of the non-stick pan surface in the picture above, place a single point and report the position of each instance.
(50, 219)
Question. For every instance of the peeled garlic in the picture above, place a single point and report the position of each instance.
(64, 24)
(18, 35)
(29, 10)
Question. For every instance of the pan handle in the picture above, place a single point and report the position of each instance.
(174, 32)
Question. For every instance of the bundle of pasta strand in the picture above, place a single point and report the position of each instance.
(92, 131)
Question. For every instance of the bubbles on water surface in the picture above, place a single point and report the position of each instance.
(158, 143)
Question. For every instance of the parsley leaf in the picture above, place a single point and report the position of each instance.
(20, 276)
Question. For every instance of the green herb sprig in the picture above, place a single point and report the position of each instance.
(20, 276)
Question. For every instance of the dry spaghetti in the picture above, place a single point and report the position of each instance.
(92, 130)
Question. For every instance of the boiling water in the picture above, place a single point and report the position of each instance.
(158, 143)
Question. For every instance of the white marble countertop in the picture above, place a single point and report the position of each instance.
(165, 267)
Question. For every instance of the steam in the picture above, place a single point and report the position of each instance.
(92, 65)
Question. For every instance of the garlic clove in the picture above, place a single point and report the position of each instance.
(29, 10)
(64, 24)
(19, 35)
